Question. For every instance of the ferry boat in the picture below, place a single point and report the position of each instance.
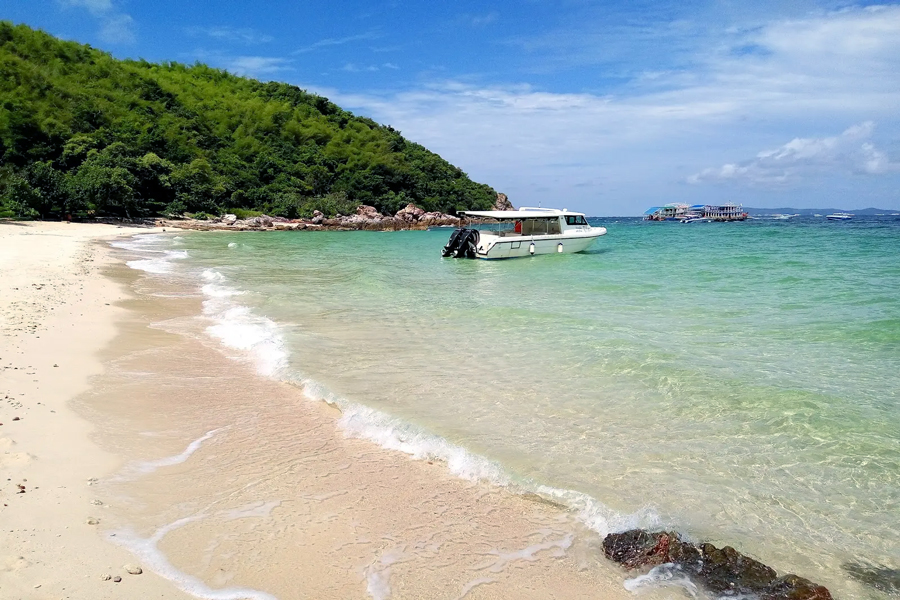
(839, 216)
(698, 212)
(524, 232)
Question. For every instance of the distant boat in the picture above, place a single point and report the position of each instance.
(839, 216)
(697, 212)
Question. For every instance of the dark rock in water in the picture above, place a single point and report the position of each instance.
(792, 587)
(722, 571)
(637, 548)
(727, 570)
(880, 577)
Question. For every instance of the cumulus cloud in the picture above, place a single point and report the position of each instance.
(116, 27)
(850, 152)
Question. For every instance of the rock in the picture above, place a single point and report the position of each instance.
(727, 570)
(880, 577)
(503, 203)
(637, 548)
(792, 587)
(117, 579)
(93, 521)
(105, 577)
(368, 212)
(410, 214)
(722, 571)
(229, 219)
(318, 217)
(133, 569)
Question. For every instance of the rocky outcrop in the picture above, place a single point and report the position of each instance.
(719, 570)
(366, 218)
(502, 203)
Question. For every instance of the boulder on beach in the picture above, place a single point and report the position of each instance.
(719, 570)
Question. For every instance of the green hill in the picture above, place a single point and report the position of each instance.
(83, 133)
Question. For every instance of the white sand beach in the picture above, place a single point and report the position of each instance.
(126, 443)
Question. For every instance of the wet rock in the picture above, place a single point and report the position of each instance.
(880, 577)
(723, 571)
(727, 570)
(133, 569)
(637, 548)
(792, 587)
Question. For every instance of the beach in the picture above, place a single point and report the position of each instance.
(57, 313)
(346, 415)
(141, 447)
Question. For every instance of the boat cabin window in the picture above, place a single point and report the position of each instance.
(540, 226)
(575, 220)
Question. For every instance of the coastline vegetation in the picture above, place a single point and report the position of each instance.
(85, 134)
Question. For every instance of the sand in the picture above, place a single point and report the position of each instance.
(141, 443)
(56, 313)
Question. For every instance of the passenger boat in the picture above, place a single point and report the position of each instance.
(524, 232)
(839, 216)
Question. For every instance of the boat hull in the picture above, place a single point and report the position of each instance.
(521, 247)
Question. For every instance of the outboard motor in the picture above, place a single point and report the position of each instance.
(462, 244)
(452, 244)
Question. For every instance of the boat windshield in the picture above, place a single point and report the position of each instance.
(540, 226)
(575, 220)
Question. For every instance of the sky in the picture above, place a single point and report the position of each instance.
(602, 107)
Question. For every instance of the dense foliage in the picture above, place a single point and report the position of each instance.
(83, 133)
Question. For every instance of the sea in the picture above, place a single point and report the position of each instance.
(735, 382)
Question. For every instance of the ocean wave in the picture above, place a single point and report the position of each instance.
(156, 259)
(261, 342)
(238, 327)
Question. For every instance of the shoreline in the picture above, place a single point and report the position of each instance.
(57, 313)
(184, 519)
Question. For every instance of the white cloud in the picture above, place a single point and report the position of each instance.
(256, 66)
(643, 139)
(327, 42)
(231, 34)
(850, 152)
(95, 7)
(482, 20)
(116, 27)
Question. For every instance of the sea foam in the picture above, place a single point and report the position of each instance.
(259, 340)
(147, 550)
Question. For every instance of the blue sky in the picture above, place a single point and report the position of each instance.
(605, 107)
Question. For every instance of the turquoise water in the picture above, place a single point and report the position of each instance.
(737, 382)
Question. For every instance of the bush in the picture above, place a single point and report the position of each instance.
(243, 213)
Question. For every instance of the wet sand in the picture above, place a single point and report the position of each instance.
(222, 484)
(56, 313)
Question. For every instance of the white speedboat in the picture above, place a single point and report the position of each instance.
(523, 232)
(839, 216)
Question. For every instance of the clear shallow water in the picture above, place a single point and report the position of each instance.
(737, 382)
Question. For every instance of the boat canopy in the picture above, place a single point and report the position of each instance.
(652, 210)
(524, 213)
